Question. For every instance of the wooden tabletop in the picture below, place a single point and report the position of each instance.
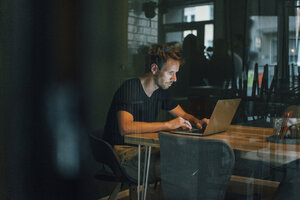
(250, 142)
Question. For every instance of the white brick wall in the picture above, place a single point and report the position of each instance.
(140, 30)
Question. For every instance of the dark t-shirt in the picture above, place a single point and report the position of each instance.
(132, 98)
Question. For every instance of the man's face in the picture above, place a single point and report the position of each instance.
(165, 77)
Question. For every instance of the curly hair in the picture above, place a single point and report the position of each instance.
(159, 54)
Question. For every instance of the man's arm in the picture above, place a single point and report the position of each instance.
(127, 125)
(179, 112)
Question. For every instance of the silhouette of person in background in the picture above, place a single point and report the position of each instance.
(220, 68)
(236, 53)
(195, 61)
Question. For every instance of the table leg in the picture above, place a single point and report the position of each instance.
(144, 174)
(147, 173)
(139, 170)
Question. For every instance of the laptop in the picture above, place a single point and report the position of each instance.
(219, 121)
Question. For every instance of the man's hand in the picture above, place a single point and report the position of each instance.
(200, 123)
(178, 111)
(179, 122)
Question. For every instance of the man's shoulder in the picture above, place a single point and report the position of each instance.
(133, 82)
(129, 89)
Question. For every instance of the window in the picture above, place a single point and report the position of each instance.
(208, 35)
(183, 20)
(294, 39)
(263, 39)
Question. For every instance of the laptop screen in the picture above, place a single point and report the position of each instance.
(220, 120)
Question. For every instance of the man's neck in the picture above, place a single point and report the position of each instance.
(148, 84)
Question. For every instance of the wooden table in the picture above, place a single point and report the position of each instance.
(250, 142)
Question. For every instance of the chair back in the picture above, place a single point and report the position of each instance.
(194, 168)
(105, 154)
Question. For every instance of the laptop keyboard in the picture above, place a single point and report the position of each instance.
(194, 130)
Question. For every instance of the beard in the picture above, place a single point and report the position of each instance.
(164, 86)
(161, 83)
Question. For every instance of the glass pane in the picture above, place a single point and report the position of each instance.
(199, 13)
(189, 14)
(179, 36)
(185, 33)
(174, 15)
(294, 39)
(263, 47)
(263, 39)
(174, 37)
(208, 35)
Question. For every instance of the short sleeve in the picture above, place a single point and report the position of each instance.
(123, 99)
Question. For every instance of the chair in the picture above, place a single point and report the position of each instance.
(111, 167)
(262, 105)
(194, 168)
(259, 101)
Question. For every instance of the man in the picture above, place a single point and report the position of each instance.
(137, 103)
